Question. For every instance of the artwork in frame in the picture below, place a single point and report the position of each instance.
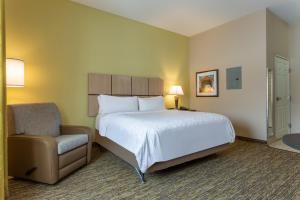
(207, 83)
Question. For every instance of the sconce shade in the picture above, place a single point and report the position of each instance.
(14, 73)
(176, 90)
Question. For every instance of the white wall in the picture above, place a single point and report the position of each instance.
(295, 76)
(238, 43)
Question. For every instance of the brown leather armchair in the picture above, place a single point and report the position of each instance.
(40, 148)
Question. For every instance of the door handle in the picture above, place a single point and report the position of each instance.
(278, 98)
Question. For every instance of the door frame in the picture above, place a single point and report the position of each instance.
(272, 70)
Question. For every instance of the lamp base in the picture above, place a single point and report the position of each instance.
(176, 102)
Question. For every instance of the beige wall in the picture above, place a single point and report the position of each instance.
(238, 43)
(277, 38)
(295, 80)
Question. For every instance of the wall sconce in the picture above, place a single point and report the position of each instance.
(176, 90)
(14, 72)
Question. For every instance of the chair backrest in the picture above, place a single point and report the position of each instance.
(34, 119)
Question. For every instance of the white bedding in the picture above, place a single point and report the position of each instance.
(157, 136)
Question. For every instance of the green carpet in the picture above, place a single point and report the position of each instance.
(248, 170)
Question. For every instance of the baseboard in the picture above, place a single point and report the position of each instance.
(251, 139)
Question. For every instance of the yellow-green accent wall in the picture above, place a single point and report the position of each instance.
(3, 141)
(61, 42)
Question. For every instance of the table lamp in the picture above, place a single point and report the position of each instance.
(177, 91)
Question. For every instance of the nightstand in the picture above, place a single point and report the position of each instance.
(183, 109)
(191, 110)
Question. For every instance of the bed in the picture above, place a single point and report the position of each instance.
(154, 140)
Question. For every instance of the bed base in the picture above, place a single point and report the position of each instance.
(129, 157)
(141, 175)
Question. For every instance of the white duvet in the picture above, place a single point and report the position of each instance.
(164, 135)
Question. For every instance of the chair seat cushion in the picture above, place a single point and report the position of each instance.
(66, 143)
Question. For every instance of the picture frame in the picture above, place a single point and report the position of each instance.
(207, 83)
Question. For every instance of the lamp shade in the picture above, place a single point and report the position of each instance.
(14, 73)
(176, 90)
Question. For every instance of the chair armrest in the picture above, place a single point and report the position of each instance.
(69, 130)
(33, 157)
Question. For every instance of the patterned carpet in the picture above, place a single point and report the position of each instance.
(248, 170)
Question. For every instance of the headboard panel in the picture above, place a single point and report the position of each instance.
(140, 86)
(99, 84)
(156, 87)
(120, 85)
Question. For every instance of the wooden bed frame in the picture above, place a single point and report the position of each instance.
(119, 85)
(129, 157)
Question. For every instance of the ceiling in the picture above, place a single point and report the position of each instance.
(189, 17)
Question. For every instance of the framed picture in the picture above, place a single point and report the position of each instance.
(207, 83)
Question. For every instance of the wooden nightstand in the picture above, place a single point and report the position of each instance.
(183, 109)
(191, 110)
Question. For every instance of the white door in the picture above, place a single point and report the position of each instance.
(282, 97)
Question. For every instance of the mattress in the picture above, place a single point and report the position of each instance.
(158, 136)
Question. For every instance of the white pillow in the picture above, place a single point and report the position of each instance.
(113, 104)
(151, 103)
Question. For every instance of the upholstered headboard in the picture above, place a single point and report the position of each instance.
(120, 85)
